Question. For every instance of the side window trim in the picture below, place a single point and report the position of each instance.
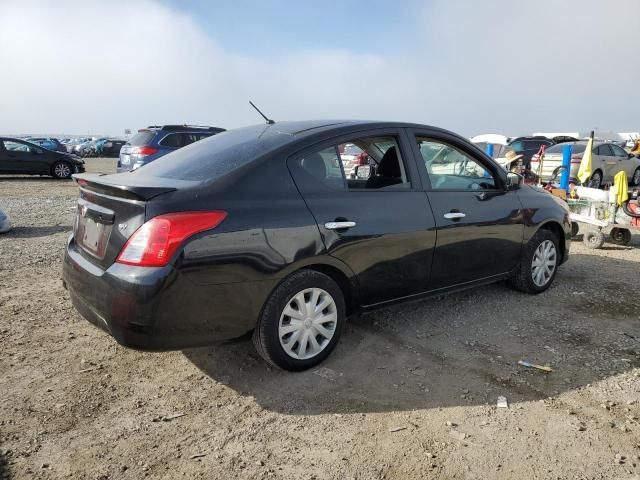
(442, 137)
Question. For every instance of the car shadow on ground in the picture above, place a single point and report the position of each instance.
(457, 350)
(34, 232)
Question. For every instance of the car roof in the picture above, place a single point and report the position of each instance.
(303, 128)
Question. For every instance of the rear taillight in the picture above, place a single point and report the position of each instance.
(155, 242)
(143, 151)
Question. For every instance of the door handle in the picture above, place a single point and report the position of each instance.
(454, 215)
(339, 225)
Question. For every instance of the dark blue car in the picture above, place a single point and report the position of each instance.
(155, 141)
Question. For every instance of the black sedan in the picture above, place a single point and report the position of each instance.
(20, 157)
(259, 229)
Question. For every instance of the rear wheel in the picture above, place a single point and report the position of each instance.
(61, 170)
(539, 263)
(620, 236)
(635, 178)
(301, 322)
(593, 239)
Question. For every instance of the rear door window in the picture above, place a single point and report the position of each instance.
(173, 140)
(605, 150)
(366, 163)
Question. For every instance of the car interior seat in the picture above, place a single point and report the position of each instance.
(388, 172)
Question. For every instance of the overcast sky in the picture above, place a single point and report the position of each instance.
(82, 66)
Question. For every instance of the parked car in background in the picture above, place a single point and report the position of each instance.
(111, 147)
(154, 142)
(48, 143)
(529, 146)
(256, 230)
(71, 144)
(21, 157)
(608, 159)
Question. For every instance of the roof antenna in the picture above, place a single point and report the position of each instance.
(269, 121)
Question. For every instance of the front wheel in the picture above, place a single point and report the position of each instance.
(301, 322)
(635, 179)
(538, 265)
(62, 170)
(593, 239)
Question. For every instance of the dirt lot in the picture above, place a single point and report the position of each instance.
(410, 392)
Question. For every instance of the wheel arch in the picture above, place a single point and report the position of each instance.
(555, 228)
(337, 271)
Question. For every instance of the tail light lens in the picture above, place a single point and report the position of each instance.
(155, 242)
(143, 151)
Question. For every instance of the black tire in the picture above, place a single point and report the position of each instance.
(635, 178)
(522, 278)
(596, 180)
(620, 236)
(593, 239)
(266, 337)
(61, 170)
(575, 229)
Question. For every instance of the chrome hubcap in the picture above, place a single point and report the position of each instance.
(308, 323)
(544, 263)
(62, 170)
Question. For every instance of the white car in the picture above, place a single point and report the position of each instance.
(608, 159)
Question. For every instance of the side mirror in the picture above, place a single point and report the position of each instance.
(514, 181)
(363, 172)
(630, 155)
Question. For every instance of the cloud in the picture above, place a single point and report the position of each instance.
(89, 66)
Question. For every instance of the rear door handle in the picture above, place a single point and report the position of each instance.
(454, 215)
(339, 225)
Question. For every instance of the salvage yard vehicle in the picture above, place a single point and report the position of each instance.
(153, 142)
(608, 159)
(255, 229)
(20, 157)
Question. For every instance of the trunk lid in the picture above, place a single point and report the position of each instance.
(110, 209)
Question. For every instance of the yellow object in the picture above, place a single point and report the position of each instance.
(584, 172)
(620, 182)
(559, 192)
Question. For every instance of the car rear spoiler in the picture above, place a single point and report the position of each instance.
(99, 183)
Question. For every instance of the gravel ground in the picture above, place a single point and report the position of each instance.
(409, 393)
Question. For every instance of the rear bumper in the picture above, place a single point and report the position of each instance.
(160, 308)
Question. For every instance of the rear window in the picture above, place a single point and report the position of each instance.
(141, 138)
(218, 155)
(575, 148)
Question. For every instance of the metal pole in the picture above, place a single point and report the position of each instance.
(490, 149)
(566, 164)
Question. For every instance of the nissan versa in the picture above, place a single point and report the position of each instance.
(259, 229)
